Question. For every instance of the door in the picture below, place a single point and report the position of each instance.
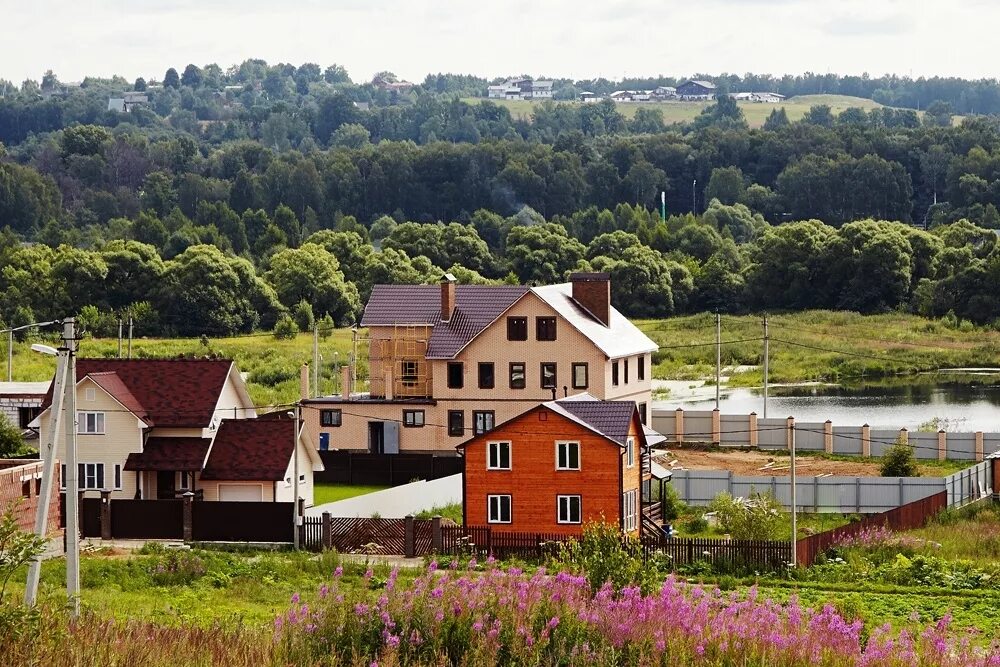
(165, 488)
(390, 438)
(241, 492)
(376, 437)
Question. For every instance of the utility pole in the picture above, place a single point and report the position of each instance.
(48, 453)
(354, 360)
(694, 196)
(315, 359)
(766, 352)
(72, 473)
(119, 338)
(718, 356)
(295, 476)
(129, 336)
(663, 206)
(795, 526)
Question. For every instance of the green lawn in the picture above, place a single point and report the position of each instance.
(327, 493)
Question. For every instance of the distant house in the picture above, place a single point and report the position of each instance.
(588, 96)
(497, 92)
(664, 93)
(383, 83)
(128, 102)
(20, 403)
(521, 89)
(696, 90)
(621, 96)
(769, 98)
(557, 467)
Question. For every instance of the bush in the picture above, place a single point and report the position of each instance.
(326, 326)
(604, 555)
(898, 461)
(302, 313)
(285, 328)
(673, 506)
(755, 518)
(11, 440)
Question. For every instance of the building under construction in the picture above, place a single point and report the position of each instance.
(397, 364)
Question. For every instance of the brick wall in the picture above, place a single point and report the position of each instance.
(20, 483)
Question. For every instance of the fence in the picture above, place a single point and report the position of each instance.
(907, 517)
(347, 467)
(399, 501)
(712, 427)
(759, 554)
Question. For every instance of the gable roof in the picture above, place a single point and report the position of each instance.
(113, 385)
(612, 419)
(703, 84)
(170, 454)
(178, 393)
(256, 449)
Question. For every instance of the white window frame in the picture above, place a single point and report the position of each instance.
(84, 472)
(83, 423)
(566, 444)
(630, 510)
(184, 480)
(90, 394)
(489, 454)
(569, 509)
(499, 514)
(630, 452)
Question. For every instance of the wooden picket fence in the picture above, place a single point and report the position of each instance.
(755, 554)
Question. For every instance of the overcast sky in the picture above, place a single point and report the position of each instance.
(575, 38)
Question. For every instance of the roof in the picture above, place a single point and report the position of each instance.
(612, 419)
(703, 84)
(250, 449)
(620, 339)
(177, 393)
(170, 454)
(24, 389)
(111, 383)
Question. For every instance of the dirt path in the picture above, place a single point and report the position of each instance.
(764, 463)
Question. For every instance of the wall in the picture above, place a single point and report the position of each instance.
(20, 483)
(285, 492)
(211, 489)
(398, 501)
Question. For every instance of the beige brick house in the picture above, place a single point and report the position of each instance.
(451, 361)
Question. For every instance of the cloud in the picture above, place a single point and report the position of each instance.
(855, 26)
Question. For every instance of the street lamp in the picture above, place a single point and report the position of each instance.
(10, 343)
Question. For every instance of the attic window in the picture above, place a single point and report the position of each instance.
(89, 394)
(545, 328)
(517, 328)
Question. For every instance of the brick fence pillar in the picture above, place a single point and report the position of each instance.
(866, 441)
(716, 427)
(679, 425)
(188, 516)
(327, 531)
(942, 445)
(979, 446)
(828, 436)
(752, 427)
(904, 436)
(410, 543)
(105, 514)
(437, 539)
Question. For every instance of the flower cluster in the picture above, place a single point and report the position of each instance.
(879, 537)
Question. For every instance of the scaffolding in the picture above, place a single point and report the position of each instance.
(401, 358)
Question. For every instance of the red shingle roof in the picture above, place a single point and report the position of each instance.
(111, 383)
(170, 454)
(251, 449)
(178, 393)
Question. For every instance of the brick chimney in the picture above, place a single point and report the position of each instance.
(593, 292)
(447, 297)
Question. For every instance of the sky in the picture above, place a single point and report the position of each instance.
(564, 38)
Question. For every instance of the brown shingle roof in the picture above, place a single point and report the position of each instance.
(476, 307)
(178, 393)
(170, 454)
(251, 449)
(111, 383)
(611, 419)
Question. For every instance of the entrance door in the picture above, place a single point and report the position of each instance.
(376, 437)
(165, 488)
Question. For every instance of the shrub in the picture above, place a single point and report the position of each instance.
(285, 328)
(755, 518)
(326, 326)
(673, 506)
(302, 313)
(604, 555)
(898, 461)
(177, 568)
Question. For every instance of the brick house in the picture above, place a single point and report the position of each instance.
(20, 486)
(557, 467)
(446, 362)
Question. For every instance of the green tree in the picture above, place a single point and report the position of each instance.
(302, 313)
(776, 120)
(191, 76)
(726, 185)
(285, 328)
(542, 254)
(351, 135)
(11, 440)
(312, 274)
(171, 79)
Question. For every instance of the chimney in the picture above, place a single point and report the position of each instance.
(304, 382)
(593, 292)
(447, 297)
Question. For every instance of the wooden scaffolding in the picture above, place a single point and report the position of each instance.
(402, 359)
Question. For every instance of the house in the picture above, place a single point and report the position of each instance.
(541, 90)
(587, 96)
(556, 467)
(446, 362)
(128, 102)
(523, 88)
(664, 93)
(145, 426)
(769, 98)
(20, 403)
(621, 96)
(496, 92)
(696, 90)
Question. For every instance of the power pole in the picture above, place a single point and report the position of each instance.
(48, 453)
(119, 338)
(663, 206)
(315, 360)
(795, 527)
(718, 357)
(295, 475)
(129, 336)
(72, 473)
(694, 196)
(766, 352)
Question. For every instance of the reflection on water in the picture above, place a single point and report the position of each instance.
(967, 402)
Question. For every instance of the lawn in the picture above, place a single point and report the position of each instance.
(327, 493)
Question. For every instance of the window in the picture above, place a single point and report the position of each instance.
(409, 377)
(498, 509)
(184, 480)
(642, 413)
(569, 509)
(614, 373)
(456, 423)
(548, 375)
(90, 423)
(545, 328)
(517, 328)
(580, 380)
(118, 476)
(640, 371)
(630, 510)
(482, 421)
(498, 456)
(89, 476)
(413, 418)
(626, 371)
(486, 375)
(629, 452)
(26, 415)
(62, 476)
(330, 417)
(90, 394)
(456, 374)
(567, 456)
(517, 378)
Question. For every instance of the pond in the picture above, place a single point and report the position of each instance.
(961, 400)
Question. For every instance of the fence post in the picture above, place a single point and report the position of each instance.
(437, 539)
(679, 425)
(105, 514)
(904, 436)
(857, 495)
(979, 446)
(901, 503)
(716, 427)
(828, 437)
(942, 445)
(866, 441)
(188, 516)
(789, 427)
(752, 427)
(409, 539)
(327, 531)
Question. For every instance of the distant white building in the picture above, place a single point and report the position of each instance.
(521, 89)
(765, 97)
(127, 102)
(587, 96)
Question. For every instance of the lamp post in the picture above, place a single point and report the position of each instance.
(10, 343)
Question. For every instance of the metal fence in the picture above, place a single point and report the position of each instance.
(347, 467)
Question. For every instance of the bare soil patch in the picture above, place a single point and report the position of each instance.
(743, 462)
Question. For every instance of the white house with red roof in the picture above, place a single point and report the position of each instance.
(147, 428)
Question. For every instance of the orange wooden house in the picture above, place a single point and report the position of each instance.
(556, 467)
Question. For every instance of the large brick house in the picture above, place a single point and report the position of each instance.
(557, 467)
(450, 361)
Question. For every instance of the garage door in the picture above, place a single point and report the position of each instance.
(244, 492)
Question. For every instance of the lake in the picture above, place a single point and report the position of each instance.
(963, 401)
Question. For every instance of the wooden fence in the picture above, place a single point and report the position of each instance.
(756, 554)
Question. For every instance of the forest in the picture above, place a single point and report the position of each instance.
(235, 200)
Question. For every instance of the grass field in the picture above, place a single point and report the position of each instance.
(328, 493)
(679, 112)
